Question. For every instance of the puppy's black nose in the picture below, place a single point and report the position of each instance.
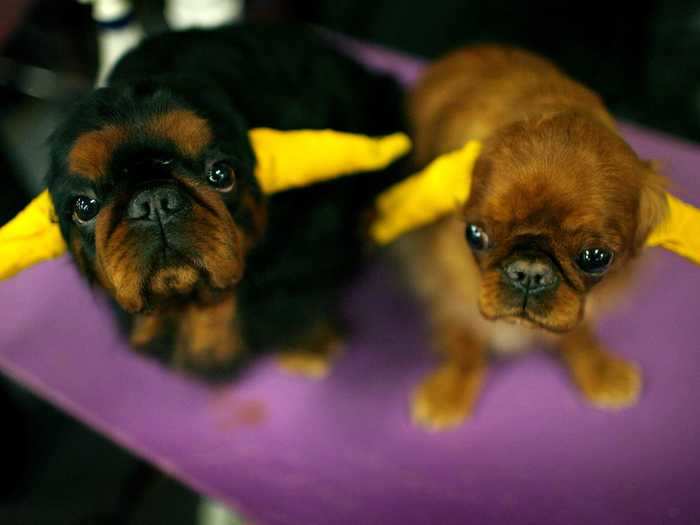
(531, 276)
(157, 204)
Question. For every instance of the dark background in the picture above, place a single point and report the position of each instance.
(644, 60)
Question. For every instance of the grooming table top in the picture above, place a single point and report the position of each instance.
(285, 450)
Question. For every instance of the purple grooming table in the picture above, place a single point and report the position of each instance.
(285, 450)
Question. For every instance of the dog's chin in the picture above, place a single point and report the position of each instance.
(169, 287)
(146, 274)
(530, 319)
(172, 288)
(527, 320)
(558, 311)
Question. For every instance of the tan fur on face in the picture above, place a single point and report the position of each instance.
(92, 152)
(118, 267)
(178, 280)
(565, 315)
(189, 132)
(216, 238)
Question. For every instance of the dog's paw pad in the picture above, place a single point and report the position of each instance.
(446, 398)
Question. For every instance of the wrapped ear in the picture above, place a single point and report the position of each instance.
(665, 220)
(31, 237)
(679, 231)
(291, 159)
(440, 188)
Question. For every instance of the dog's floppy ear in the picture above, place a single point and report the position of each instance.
(286, 159)
(653, 204)
(437, 190)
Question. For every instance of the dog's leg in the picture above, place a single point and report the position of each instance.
(145, 329)
(436, 263)
(208, 337)
(605, 380)
(314, 356)
(448, 395)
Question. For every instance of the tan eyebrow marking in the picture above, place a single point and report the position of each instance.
(189, 132)
(92, 151)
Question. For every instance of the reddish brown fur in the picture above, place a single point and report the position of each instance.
(92, 151)
(189, 132)
(117, 266)
(222, 245)
(552, 167)
(174, 279)
(206, 335)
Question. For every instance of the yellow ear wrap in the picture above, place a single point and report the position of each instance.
(425, 196)
(680, 232)
(291, 159)
(31, 237)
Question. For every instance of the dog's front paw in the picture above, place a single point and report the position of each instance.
(447, 396)
(607, 381)
(314, 356)
(312, 363)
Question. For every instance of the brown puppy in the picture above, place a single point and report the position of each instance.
(559, 207)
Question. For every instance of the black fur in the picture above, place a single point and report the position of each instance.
(258, 76)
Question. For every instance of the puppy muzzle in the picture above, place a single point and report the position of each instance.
(158, 206)
(530, 273)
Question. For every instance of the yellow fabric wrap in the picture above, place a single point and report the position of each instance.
(680, 232)
(286, 159)
(31, 237)
(291, 159)
(429, 194)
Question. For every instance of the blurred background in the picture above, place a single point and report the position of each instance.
(644, 59)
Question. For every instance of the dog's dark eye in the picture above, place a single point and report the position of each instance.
(221, 176)
(85, 209)
(594, 260)
(476, 237)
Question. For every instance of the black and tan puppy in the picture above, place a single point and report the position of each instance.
(560, 206)
(153, 181)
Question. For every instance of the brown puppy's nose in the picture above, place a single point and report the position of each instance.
(157, 204)
(531, 276)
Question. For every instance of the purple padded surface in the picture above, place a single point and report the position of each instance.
(290, 451)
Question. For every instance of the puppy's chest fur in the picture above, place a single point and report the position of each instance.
(437, 264)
